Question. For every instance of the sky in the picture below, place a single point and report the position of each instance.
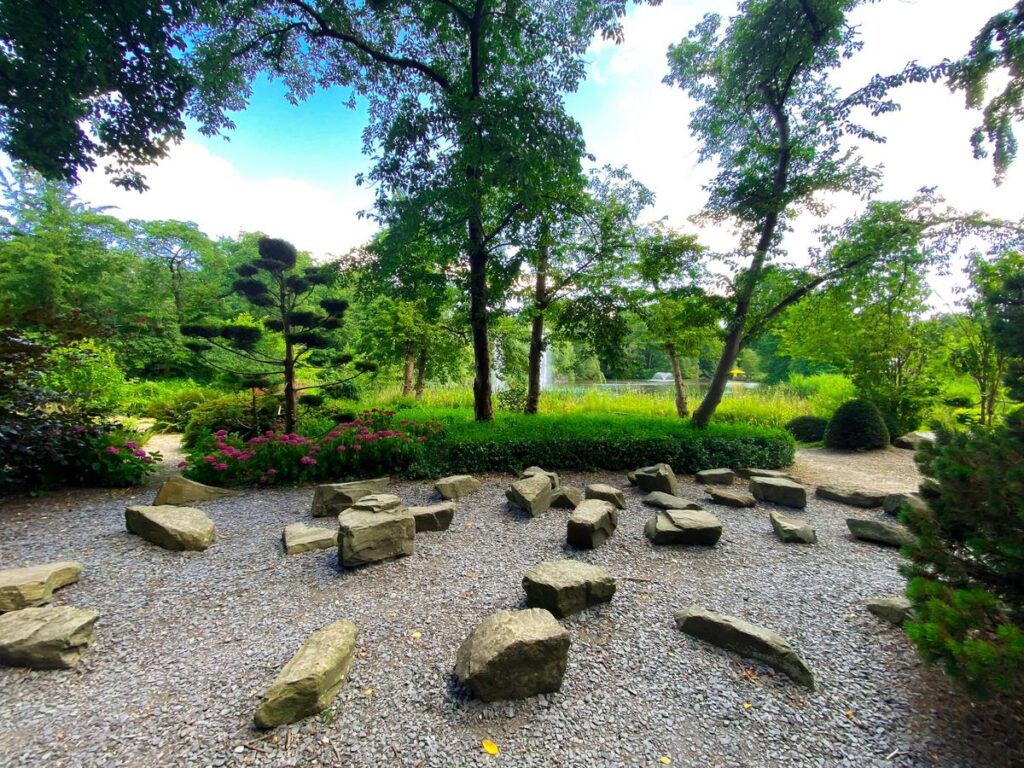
(289, 170)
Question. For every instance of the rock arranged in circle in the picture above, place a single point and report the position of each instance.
(658, 477)
(551, 476)
(914, 440)
(684, 526)
(174, 528)
(894, 503)
(894, 610)
(749, 472)
(514, 655)
(309, 682)
(661, 500)
(880, 532)
(334, 498)
(378, 502)
(457, 486)
(566, 497)
(567, 586)
(532, 494)
(591, 524)
(51, 637)
(715, 476)
(368, 537)
(792, 530)
(299, 538)
(434, 517)
(855, 497)
(607, 493)
(33, 585)
(738, 499)
(779, 490)
(180, 491)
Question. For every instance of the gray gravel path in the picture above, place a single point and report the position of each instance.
(188, 641)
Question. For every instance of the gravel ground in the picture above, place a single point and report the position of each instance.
(892, 470)
(188, 641)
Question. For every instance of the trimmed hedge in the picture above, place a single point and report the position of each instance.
(807, 429)
(857, 425)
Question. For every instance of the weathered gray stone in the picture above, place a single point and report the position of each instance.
(895, 610)
(730, 498)
(33, 585)
(914, 440)
(170, 527)
(607, 493)
(591, 524)
(566, 497)
(749, 472)
(368, 537)
(668, 501)
(855, 497)
(334, 498)
(514, 655)
(779, 490)
(929, 488)
(893, 503)
(715, 476)
(880, 532)
(567, 586)
(532, 494)
(299, 537)
(551, 476)
(435, 517)
(182, 492)
(792, 530)
(745, 639)
(631, 478)
(51, 637)
(658, 477)
(312, 677)
(378, 502)
(684, 526)
(457, 486)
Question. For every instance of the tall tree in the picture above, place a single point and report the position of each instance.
(178, 246)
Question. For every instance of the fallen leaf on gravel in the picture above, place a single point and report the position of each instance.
(490, 747)
(747, 705)
(849, 714)
(750, 673)
(665, 760)
(368, 692)
(417, 635)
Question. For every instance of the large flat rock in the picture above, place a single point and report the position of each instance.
(566, 497)
(457, 486)
(661, 500)
(715, 476)
(855, 497)
(369, 537)
(749, 472)
(726, 498)
(605, 492)
(894, 503)
(299, 538)
(745, 639)
(434, 517)
(378, 502)
(684, 526)
(170, 527)
(567, 586)
(591, 524)
(792, 530)
(332, 499)
(33, 585)
(551, 476)
(51, 637)
(309, 682)
(779, 490)
(658, 477)
(181, 491)
(880, 532)
(894, 610)
(532, 494)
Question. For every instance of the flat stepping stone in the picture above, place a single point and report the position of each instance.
(659, 477)
(591, 524)
(175, 528)
(779, 490)
(514, 655)
(567, 586)
(52, 637)
(181, 491)
(378, 502)
(749, 472)
(309, 682)
(299, 538)
(334, 498)
(662, 500)
(894, 610)
(531, 471)
(880, 532)
(792, 530)
(370, 537)
(684, 526)
(730, 498)
(457, 486)
(532, 494)
(715, 476)
(914, 440)
(747, 640)
(566, 497)
(33, 585)
(894, 503)
(435, 517)
(607, 493)
(855, 497)
(631, 478)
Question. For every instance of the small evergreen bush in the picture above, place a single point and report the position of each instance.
(233, 413)
(856, 425)
(807, 429)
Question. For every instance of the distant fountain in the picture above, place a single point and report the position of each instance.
(547, 374)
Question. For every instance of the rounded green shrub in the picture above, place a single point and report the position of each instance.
(807, 429)
(856, 425)
(233, 413)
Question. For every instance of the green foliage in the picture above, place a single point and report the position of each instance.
(825, 392)
(114, 459)
(856, 425)
(173, 407)
(512, 398)
(807, 429)
(967, 573)
(86, 371)
(233, 413)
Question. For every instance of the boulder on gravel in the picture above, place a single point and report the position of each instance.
(855, 497)
(591, 524)
(312, 677)
(566, 497)
(745, 639)
(299, 538)
(531, 471)
(631, 478)
(662, 500)
(715, 476)
(532, 494)
(779, 490)
(749, 472)
(514, 655)
(893, 503)
(457, 486)
(33, 585)
(52, 637)
(730, 498)
(608, 493)
(913, 440)
(378, 502)
(658, 477)
(880, 532)
(567, 586)
(334, 498)
(434, 517)
(895, 610)
(368, 537)
(170, 527)
(684, 526)
(181, 491)
(792, 530)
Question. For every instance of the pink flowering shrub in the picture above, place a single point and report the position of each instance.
(112, 459)
(373, 443)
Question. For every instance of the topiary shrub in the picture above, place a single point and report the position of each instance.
(807, 429)
(856, 425)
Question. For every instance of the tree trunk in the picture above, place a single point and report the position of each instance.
(682, 406)
(179, 302)
(536, 356)
(421, 372)
(289, 388)
(410, 366)
(483, 410)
